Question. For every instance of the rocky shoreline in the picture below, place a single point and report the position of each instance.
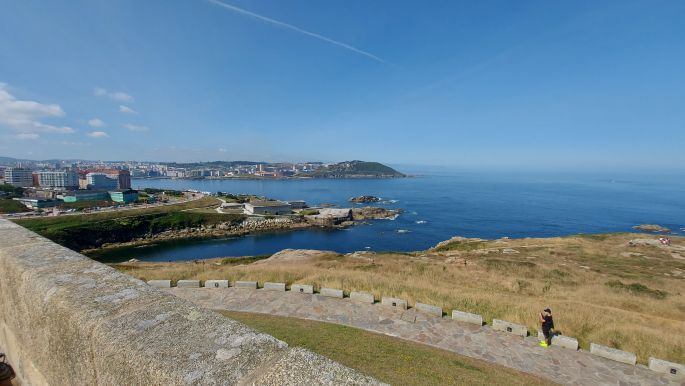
(248, 226)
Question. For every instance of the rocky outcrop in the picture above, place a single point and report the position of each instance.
(364, 199)
(292, 255)
(374, 213)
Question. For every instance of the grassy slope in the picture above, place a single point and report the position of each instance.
(92, 230)
(575, 276)
(388, 359)
(7, 205)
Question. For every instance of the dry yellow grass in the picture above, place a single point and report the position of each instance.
(641, 309)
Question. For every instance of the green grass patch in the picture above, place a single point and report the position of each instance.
(12, 206)
(637, 289)
(243, 260)
(87, 204)
(391, 360)
(91, 231)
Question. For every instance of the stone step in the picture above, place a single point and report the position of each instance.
(331, 292)
(274, 286)
(302, 288)
(362, 297)
(613, 353)
(246, 284)
(512, 328)
(188, 284)
(467, 317)
(429, 309)
(159, 283)
(394, 302)
(216, 283)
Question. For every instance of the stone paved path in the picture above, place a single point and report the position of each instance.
(557, 364)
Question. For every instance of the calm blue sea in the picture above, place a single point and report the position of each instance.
(440, 205)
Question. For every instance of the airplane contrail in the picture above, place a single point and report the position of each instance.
(296, 29)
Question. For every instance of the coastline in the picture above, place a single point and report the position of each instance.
(245, 228)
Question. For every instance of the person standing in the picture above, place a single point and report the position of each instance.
(547, 323)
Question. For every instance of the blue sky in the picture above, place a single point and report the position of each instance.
(528, 84)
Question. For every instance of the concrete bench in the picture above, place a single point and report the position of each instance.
(613, 354)
(246, 284)
(361, 297)
(274, 286)
(159, 283)
(216, 283)
(467, 317)
(512, 328)
(429, 309)
(302, 288)
(661, 366)
(188, 284)
(331, 292)
(394, 302)
(561, 340)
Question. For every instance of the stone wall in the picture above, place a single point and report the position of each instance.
(68, 320)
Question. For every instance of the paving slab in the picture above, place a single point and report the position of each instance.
(557, 364)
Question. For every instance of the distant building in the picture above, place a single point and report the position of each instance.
(123, 195)
(299, 204)
(63, 179)
(101, 181)
(86, 195)
(124, 179)
(268, 207)
(36, 203)
(19, 177)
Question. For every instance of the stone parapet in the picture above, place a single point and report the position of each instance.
(68, 320)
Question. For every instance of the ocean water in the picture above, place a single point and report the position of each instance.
(440, 205)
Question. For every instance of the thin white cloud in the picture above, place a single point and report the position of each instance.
(136, 127)
(115, 95)
(291, 27)
(25, 117)
(98, 134)
(127, 110)
(221, 149)
(96, 122)
(28, 136)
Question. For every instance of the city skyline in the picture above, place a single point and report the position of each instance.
(499, 85)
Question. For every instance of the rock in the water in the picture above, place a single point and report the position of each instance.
(365, 199)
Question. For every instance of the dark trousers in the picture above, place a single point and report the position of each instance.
(548, 335)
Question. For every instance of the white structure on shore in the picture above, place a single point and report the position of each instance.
(268, 207)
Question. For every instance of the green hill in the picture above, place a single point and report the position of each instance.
(355, 169)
